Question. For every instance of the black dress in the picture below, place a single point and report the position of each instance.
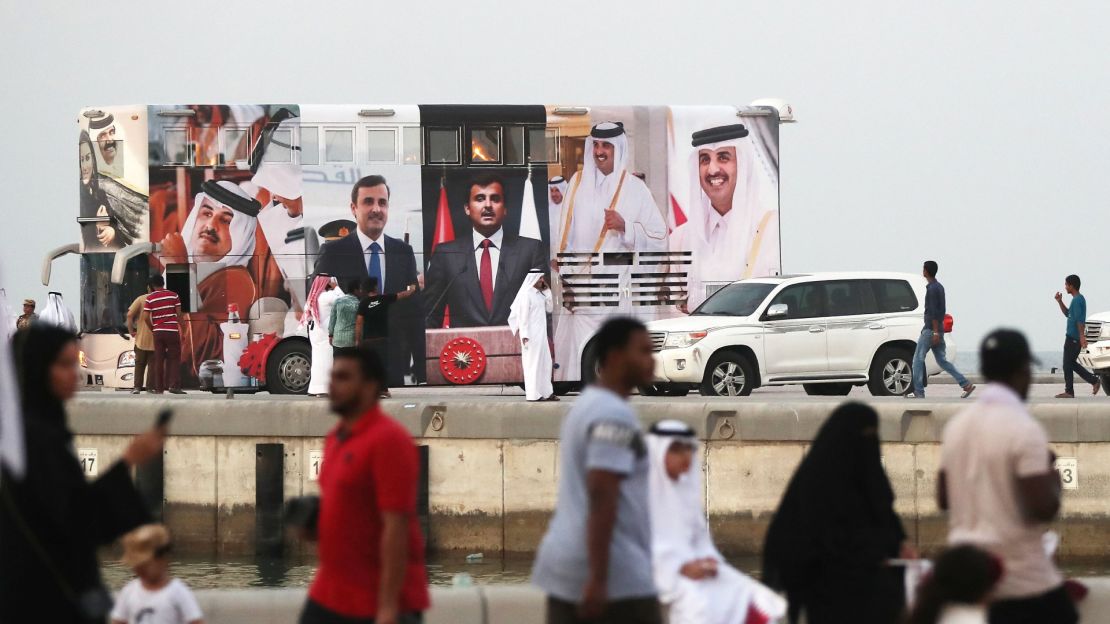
(836, 527)
(53, 520)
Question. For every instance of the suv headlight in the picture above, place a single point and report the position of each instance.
(683, 339)
(126, 360)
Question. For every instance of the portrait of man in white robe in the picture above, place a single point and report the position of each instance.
(606, 208)
(732, 227)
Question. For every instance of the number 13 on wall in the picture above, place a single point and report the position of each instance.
(1068, 467)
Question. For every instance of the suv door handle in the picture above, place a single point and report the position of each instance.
(816, 329)
(876, 326)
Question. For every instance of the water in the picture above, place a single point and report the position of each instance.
(246, 572)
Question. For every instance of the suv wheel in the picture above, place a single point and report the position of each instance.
(728, 374)
(828, 389)
(891, 372)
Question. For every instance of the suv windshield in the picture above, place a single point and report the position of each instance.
(740, 299)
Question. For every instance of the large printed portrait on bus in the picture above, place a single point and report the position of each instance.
(227, 212)
(111, 152)
(363, 216)
(724, 195)
(485, 227)
(609, 227)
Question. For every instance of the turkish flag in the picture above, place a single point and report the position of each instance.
(678, 217)
(445, 233)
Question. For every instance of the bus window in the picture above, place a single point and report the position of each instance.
(443, 146)
(339, 146)
(280, 149)
(382, 145)
(411, 144)
(235, 144)
(543, 145)
(514, 145)
(310, 145)
(485, 146)
(176, 141)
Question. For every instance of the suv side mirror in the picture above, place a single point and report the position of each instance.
(778, 310)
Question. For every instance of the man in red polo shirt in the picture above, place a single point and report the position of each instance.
(371, 550)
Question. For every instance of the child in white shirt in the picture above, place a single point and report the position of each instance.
(154, 597)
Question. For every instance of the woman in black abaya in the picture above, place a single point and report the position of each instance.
(52, 520)
(835, 529)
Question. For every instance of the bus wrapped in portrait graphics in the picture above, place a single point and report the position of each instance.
(627, 210)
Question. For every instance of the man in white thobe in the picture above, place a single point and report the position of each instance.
(556, 202)
(696, 585)
(732, 228)
(528, 320)
(316, 319)
(607, 208)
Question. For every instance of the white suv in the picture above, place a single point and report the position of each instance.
(828, 332)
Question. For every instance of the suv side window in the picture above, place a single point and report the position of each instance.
(894, 295)
(844, 298)
(803, 301)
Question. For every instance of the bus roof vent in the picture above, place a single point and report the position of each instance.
(177, 112)
(377, 112)
(572, 110)
(94, 113)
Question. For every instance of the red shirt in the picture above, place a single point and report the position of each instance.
(162, 305)
(370, 469)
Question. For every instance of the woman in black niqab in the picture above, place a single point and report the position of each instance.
(53, 520)
(835, 528)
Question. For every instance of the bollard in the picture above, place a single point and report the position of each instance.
(269, 499)
(422, 492)
(150, 482)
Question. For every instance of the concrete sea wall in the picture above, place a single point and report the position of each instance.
(492, 465)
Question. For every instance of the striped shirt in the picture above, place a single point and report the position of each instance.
(162, 305)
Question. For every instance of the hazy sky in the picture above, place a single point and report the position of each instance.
(971, 133)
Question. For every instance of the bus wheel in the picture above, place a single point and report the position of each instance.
(288, 368)
(589, 364)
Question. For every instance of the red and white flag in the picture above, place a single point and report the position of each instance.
(676, 217)
(444, 233)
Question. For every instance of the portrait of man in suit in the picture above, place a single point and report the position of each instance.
(477, 275)
(369, 252)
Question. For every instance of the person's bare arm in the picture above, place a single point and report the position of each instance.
(394, 544)
(358, 329)
(133, 320)
(1040, 496)
(603, 488)
(942, 491)
(1060, 302)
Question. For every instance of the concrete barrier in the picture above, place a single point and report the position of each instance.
(489, 604)
(493, 463)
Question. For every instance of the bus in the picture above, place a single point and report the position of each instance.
(630, 210)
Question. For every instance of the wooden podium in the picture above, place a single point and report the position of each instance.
(500, 365)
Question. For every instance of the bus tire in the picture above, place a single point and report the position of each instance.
(590, 362)
(288, 368)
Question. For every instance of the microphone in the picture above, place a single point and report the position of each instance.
(443, 294)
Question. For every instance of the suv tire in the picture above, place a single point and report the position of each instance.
(728, 374)
(828, 389)
(891, 372)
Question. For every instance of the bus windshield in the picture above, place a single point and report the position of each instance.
(740, 299)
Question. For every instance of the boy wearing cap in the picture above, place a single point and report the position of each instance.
(1000, 489)
(24, 321)
(154, 597)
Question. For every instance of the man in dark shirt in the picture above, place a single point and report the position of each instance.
(932, 337)
(372, 323)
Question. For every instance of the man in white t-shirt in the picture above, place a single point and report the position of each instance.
(154, 597)
(1000, 489)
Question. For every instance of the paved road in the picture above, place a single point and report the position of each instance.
(1041, 393)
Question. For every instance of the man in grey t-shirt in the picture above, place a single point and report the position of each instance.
(595, 561)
